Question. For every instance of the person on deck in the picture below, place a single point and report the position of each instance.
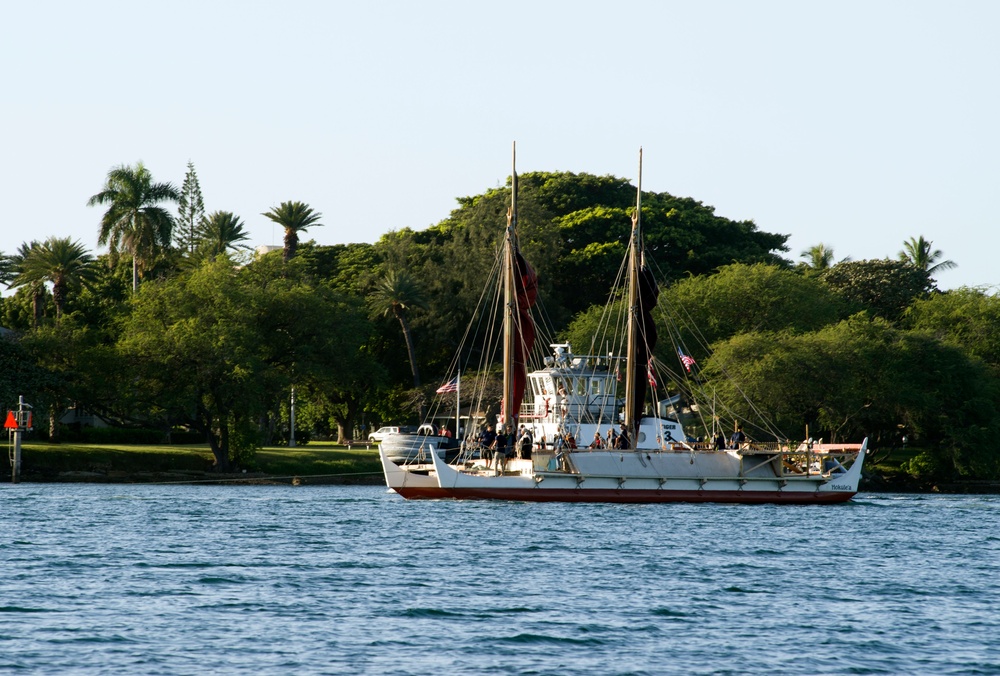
(719, 441)
(623, 442)
(486, 440)
(502, 447)
(738, 438)
(598, 442)
(496, 452)
(524, 444)
(559, 442)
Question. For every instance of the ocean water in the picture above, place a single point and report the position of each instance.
(135, 579)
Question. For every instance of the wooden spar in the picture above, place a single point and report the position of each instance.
(634, 332)
(509, 296)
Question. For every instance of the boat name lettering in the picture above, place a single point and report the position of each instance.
(841, 487)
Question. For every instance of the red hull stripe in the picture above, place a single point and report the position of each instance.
(624, 496)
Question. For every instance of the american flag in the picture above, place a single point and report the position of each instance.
(687, 360)
(450, 386)
(649, 374)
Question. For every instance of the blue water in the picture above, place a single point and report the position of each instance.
(126, 579)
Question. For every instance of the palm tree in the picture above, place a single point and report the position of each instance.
(59, 260)
(36, 287)
(134, 221)
(7, 269)
(917, 252)
(820, 257)
(293, 217)
(221, 231)
(395, 293)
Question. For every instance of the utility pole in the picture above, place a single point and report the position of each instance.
(291, 433)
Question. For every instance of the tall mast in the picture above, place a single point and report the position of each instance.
(634, 332)
(509, 295)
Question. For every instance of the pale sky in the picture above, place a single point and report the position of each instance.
(855, 124)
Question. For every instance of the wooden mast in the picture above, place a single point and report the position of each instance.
(509, 296)
(634, 331)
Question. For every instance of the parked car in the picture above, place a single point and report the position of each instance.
(382, 432)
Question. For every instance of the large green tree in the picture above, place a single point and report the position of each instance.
(965, 317)
(699, 311)
(20, 375)
(863, 378)
(65, 263)
(219, 348)
(885, 288)
(572, 228)
(135, 221)
(744, 298)
(294, 217)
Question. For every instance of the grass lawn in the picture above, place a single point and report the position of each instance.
(47, 461)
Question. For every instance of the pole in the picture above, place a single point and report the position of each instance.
(458, 407)
(509, 297)
(17, 431)
(291, 433)
(631, 424)
(16, 460)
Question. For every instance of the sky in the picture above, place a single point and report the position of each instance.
(854, 124)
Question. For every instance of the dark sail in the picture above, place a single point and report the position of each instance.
(526, 286)
(649, 292)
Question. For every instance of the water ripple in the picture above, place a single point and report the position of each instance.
(325, 580)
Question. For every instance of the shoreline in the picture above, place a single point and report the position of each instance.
(319, 464)
(188, 478)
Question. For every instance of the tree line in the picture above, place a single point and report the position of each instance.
(179, 326)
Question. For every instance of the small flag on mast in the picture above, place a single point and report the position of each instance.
(450, 386)
(649, 373)
(687, 360)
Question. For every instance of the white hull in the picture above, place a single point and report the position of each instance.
(417, 480)
(629, 476)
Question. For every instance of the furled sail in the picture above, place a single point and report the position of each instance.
(520, 292)
(526, 286)
(648, 295)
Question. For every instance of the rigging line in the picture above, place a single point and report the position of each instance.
(456, 363)
(486, 327)
(676, 311)
(480, 304)
(694, 329)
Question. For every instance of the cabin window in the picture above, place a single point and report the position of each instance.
(595, 386)
(560, 388)
(581, 386)
(535, 386)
